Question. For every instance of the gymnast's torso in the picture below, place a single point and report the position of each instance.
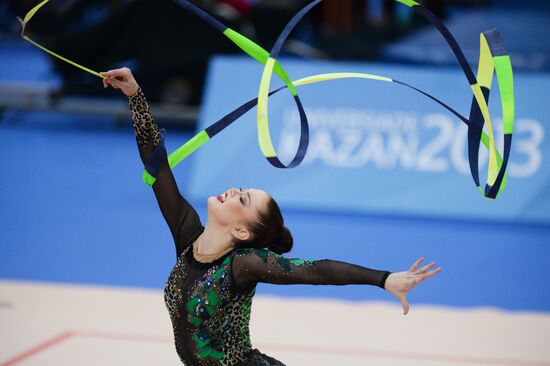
(210, 317)
(210, 313)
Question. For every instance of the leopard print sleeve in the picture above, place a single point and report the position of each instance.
(142, 120)
(180, 216)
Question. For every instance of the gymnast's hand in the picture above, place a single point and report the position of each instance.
(121, 79)
(400, 283)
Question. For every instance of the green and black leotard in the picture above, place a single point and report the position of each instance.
(209, 303)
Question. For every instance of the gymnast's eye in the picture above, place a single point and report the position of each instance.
(242, 201)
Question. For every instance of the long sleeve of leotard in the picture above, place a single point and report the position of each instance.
(261, 265)
(181, 217)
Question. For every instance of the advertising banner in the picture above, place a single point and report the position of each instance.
(375, 147)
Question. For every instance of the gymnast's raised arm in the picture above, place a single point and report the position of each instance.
(180, 216)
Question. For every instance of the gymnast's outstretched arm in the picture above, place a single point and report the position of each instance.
(181, 217)
(261, 265)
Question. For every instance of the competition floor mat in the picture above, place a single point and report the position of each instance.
(47, 324)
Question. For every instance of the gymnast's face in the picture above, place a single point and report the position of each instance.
(237, 207)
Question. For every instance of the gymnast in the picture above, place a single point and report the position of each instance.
(210, 289)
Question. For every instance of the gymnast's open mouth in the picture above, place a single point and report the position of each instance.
(222, 198)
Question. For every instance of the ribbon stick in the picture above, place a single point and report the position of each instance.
(24, 23)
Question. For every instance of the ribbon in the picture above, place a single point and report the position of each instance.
(493, 59)
(493, 56)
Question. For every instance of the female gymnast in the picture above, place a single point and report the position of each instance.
(210, 289)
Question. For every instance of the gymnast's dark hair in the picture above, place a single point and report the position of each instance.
(268, 231)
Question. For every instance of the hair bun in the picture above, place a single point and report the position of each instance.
(283, 243)
(268, 231)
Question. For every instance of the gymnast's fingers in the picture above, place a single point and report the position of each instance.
(116, 82)
(416, 264)
(122, 73)
(431, 273)
(425, 268)
(109, 73)
(405, 304)
(113, 82)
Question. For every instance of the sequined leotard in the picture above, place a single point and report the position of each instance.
(209, 303)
